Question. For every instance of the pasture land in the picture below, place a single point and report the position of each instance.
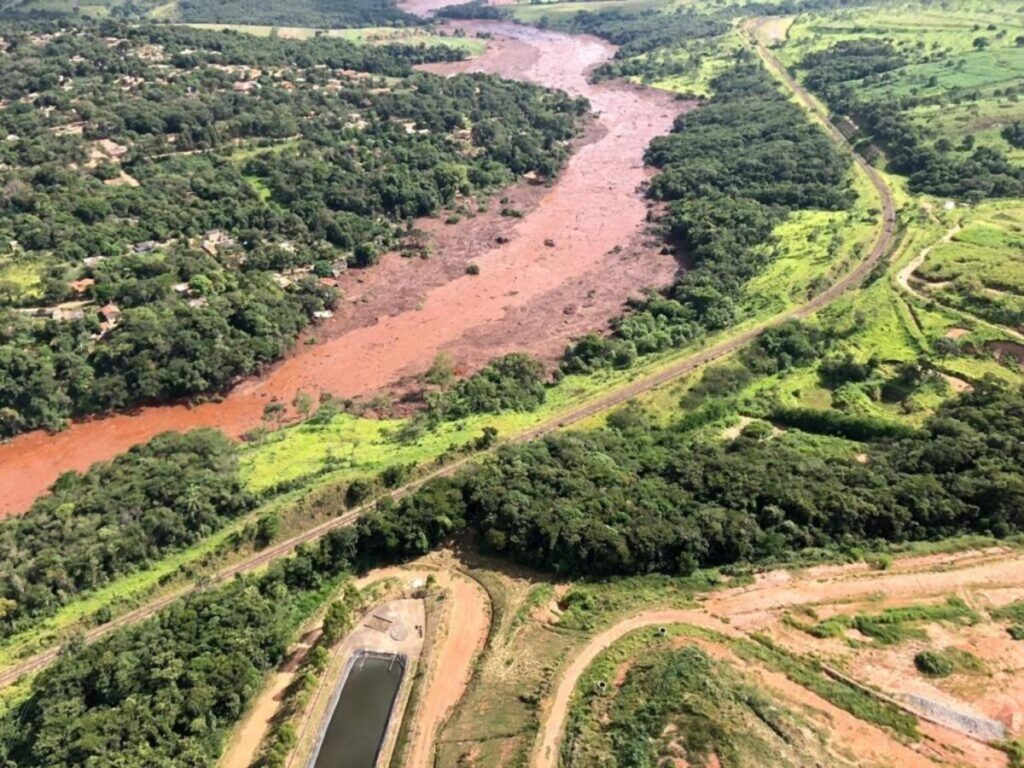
(962, 65)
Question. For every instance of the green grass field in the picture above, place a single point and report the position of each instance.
(664, 694)
(19, 279)
(966, 54)
(979, 272)
(989, 248)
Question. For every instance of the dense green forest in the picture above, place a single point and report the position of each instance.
(162, 693)
(167, 691)
(642, 33)
(120, 157)
(934, 166)
(294, 13)
(119, 516)
(637, 497)
(297, 13)
(730, 172)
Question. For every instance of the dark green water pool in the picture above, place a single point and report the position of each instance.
(360, 717)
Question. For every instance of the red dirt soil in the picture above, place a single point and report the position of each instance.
(450, 668)
(760, 606)
(400, 314)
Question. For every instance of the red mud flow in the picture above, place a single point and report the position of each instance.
(530, 295)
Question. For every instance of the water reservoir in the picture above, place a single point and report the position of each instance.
(360, 711)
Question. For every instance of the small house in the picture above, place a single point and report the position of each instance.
(111, 314)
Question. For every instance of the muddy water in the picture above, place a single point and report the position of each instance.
(530, 295)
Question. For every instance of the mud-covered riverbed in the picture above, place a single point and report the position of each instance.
(530, 295)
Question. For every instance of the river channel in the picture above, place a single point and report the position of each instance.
(569, 264)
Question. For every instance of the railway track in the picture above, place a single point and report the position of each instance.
(879, 248)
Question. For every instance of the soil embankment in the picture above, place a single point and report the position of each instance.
(464, 623)
(742, 610)
(530, 295)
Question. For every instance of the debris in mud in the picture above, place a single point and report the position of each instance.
(548, 242)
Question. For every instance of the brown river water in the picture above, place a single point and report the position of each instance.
(396, 317)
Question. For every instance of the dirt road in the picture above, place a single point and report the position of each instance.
(866, 741)
(904, 276)
(466, 622)
(554, 716)
(733, 612)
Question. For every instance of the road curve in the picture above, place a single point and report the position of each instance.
(550, 736)
(735, 611)
(883, 241)
(904, 276)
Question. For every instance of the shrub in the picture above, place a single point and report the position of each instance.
(933, 664)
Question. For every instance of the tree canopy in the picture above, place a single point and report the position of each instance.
(638, 497)
(119, 516)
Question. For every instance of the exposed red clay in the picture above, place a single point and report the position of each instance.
(400, 314)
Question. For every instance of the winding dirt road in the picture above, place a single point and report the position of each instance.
(734, 612)
(903, 280)
(904, 275)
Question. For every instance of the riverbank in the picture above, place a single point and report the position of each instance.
(569, 264)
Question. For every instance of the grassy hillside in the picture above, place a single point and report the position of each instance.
(958, 70)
